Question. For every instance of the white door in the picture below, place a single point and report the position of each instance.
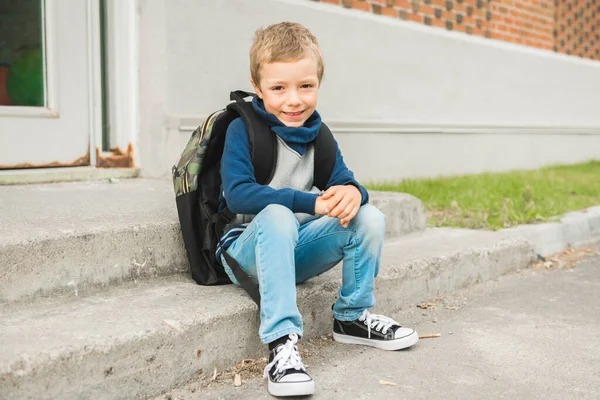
(47, 104)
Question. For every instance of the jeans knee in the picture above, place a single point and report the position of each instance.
(278, 219)
(370, 220)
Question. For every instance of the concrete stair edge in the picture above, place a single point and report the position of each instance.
(73, 263)
(155, 354)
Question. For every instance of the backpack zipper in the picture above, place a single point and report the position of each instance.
(205, 125)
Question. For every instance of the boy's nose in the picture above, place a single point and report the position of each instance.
(293, 98)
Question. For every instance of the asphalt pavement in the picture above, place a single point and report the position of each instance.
(533, 334)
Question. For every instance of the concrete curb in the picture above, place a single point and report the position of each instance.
(106, 234)
(403, 213)
(141, 343)
(574, 229)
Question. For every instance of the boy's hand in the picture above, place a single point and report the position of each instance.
(347, 200)
(322, 206)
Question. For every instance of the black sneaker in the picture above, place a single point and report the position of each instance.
(286, 373)
(374, 330)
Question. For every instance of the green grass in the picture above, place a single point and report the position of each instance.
(499, 200)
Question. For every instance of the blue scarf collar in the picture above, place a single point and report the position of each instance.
(291, 135)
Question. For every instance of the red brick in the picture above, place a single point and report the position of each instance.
(390, 12)
(405, 4)
(361, 5)
(426, 10)
(415, 17)
(478, 13)
(469, 20)
(461, 8)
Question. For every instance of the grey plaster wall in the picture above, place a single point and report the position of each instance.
(412, 79)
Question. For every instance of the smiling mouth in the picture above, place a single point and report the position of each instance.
(293, 114)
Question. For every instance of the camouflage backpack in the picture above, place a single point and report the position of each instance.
(197, 184)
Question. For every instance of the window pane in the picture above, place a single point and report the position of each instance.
(22, 80)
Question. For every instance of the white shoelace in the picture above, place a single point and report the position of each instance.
(380, 323)
(287, 357)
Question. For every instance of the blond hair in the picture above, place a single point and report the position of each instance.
(283, 42)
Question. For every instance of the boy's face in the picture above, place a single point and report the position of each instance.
(289, 90)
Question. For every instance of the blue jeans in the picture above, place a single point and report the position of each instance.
(279, 253)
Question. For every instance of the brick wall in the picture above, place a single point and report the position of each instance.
(528, 22)
(566, 26)
(578, 28)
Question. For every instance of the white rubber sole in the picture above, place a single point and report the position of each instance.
(286, 389)
(396, 344)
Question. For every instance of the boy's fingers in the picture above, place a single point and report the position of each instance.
(353, 213)
(351, 216)
(332, 201)
(328, 193)
(339, 208)
(347, 211)
(330, 205)
(338, 196)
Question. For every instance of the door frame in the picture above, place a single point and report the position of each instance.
(51, 47)
(122, 40)
(94, 77)
(123, 79)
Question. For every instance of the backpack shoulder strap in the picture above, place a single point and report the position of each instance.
(324, 156)
(263, 143)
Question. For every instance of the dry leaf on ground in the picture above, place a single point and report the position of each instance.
(430, 335)
(237, 380)
(567, 258)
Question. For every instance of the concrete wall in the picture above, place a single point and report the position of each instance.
(403, 99)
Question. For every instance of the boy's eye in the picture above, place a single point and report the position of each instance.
(307, 85)
(277, 88)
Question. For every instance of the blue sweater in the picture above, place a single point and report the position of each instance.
(245, 196)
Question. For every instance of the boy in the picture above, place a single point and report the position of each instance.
(288, 232)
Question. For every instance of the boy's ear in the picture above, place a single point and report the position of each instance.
(256, 88)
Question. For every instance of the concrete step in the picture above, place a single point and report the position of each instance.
(139, 342)
(64, 174)
(71, 238)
